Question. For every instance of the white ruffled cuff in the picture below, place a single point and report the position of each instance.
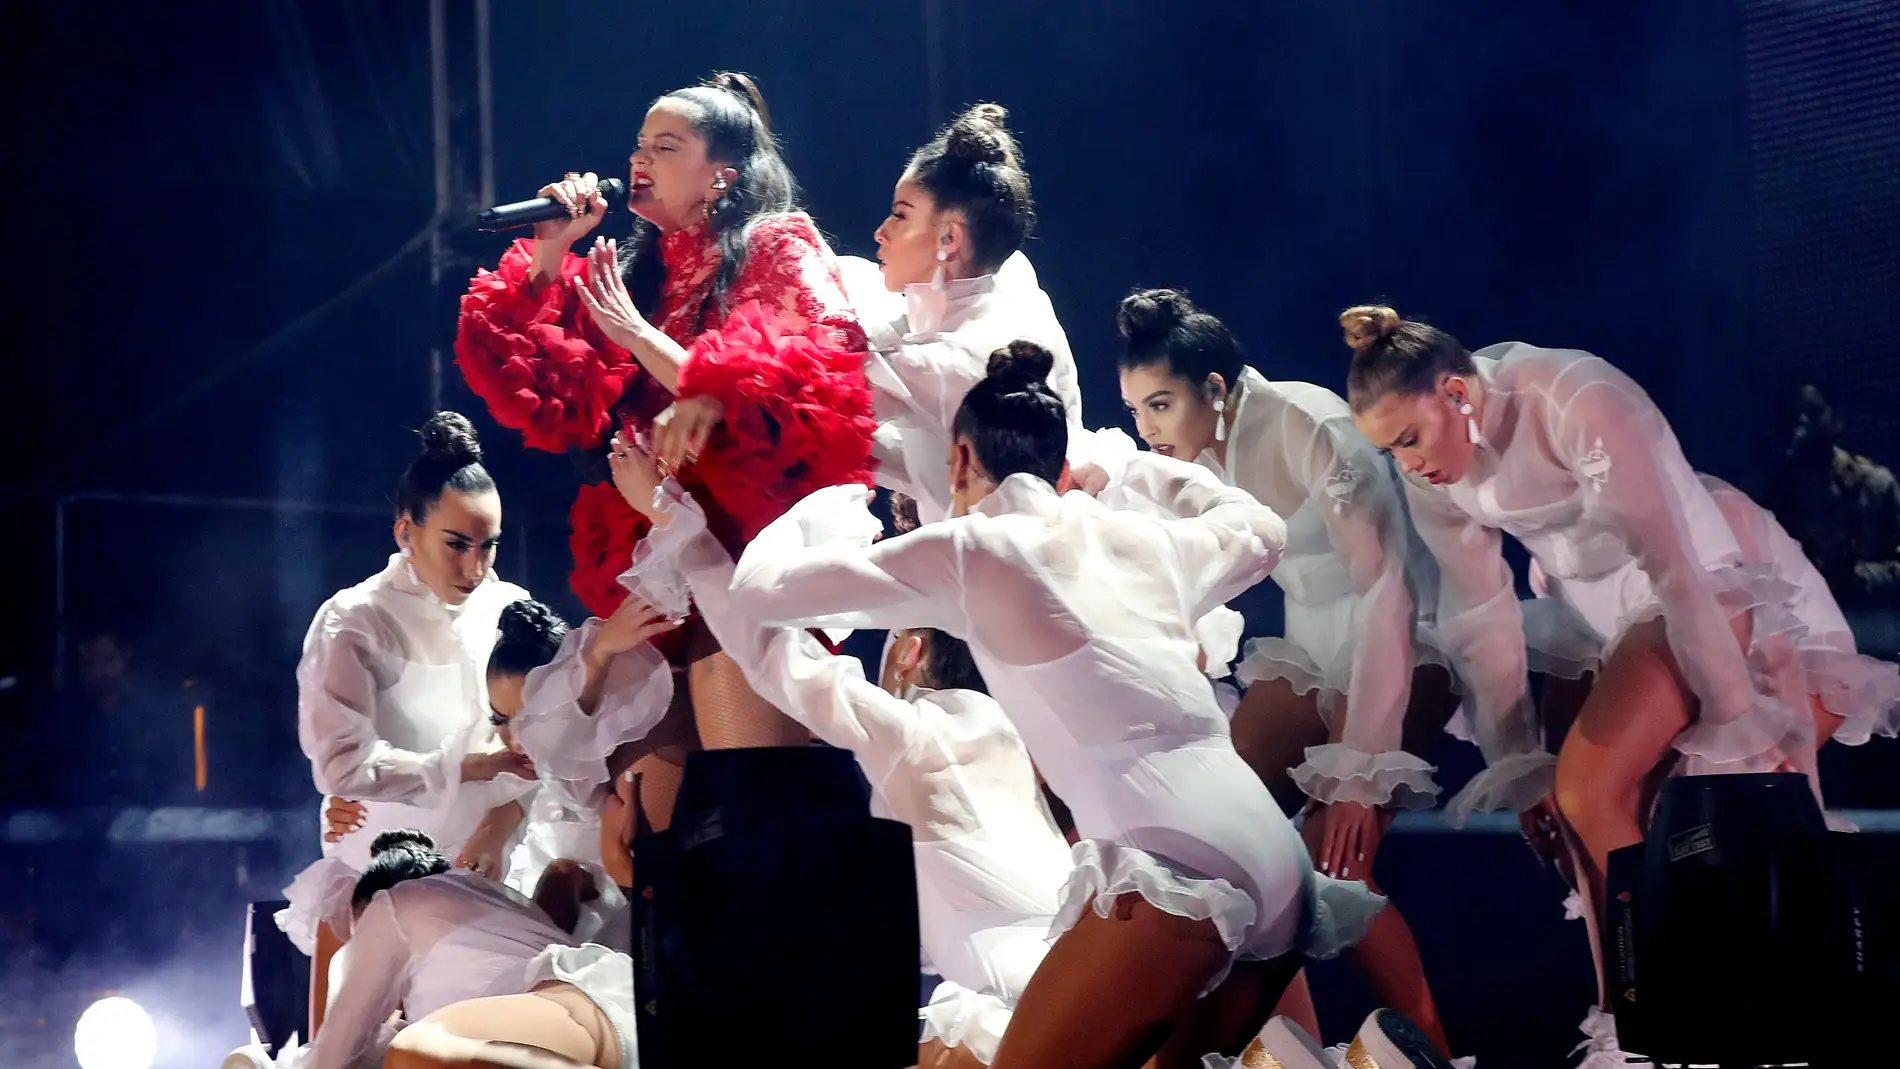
(570, 748)
(1513, 783)
(320, 893)
(1336, 772)
(656, 575)
(959, 1017)
(1863, 691)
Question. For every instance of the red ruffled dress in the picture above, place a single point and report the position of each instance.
(786, 364)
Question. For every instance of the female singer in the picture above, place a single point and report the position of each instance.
(1572, 458)
(391, 709)
(1337, 695)
(951, 246)
(721, 328)
(938, 751)
(1188, 878)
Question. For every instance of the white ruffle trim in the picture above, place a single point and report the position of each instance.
(570, 748)
(1338, 773)
(959, 1017)
(1600, 1043)
(1338, 915)
(655, 575)
(1104, 871)
(321, 892)
(602, 974)
(1863, 691)
(1513, 783)
(1280, 658)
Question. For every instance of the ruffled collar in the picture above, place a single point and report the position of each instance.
(400, 576)
(1021, 492)
(927, 308)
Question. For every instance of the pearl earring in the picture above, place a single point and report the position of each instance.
(1220, 419)
(1471, 424)
(940, 278)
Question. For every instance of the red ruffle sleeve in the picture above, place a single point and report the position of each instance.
(536, 358)
(787, 367)
(603, 531)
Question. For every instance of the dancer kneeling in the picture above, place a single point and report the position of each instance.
(487, 978)
(1189, 881)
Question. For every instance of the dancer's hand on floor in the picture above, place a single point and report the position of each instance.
(1350, 838)
(341, 817)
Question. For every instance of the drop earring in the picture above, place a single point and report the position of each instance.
(1220, 419)
(1471, 424)
(940, 278)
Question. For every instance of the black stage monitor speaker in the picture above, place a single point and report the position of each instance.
(776, 910)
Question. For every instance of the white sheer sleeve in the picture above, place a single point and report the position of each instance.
(1353, 490)
(1482, 628)
(336, 704)
(787, 666)
(375, 975)
(796, 574)
(569, 746)
(1632, 473)
(1225, 541)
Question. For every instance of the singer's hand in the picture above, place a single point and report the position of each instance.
(580, 194)
(605, 296)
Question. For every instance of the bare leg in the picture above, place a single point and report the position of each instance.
(730, 716)
(553, 1026)
(1111, 989)
(328, 943)
(933, 1054)
(1231, 1014)
(1622, 733)
(1297, 1004)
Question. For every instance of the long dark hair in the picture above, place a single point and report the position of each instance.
(729, 112)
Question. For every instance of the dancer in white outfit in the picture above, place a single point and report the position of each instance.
(938, 751)
(392, 709)
(1342, 694)
(951, 246)
(1571, 457)
(1081, 620)
(427, 940)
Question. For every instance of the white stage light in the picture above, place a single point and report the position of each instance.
(115, 1033)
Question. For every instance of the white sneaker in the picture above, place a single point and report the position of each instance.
(1389, 1040)
(249, 1056)
(1599, 1047)
(1280, 1045)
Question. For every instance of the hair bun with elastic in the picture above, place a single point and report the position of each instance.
(400, 839)
(980, 135)
(1148, 316)
(1368, 323)
(449, 438)
(528, 620)
(1021, 365)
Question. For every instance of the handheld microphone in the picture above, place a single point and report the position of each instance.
(542, 209)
